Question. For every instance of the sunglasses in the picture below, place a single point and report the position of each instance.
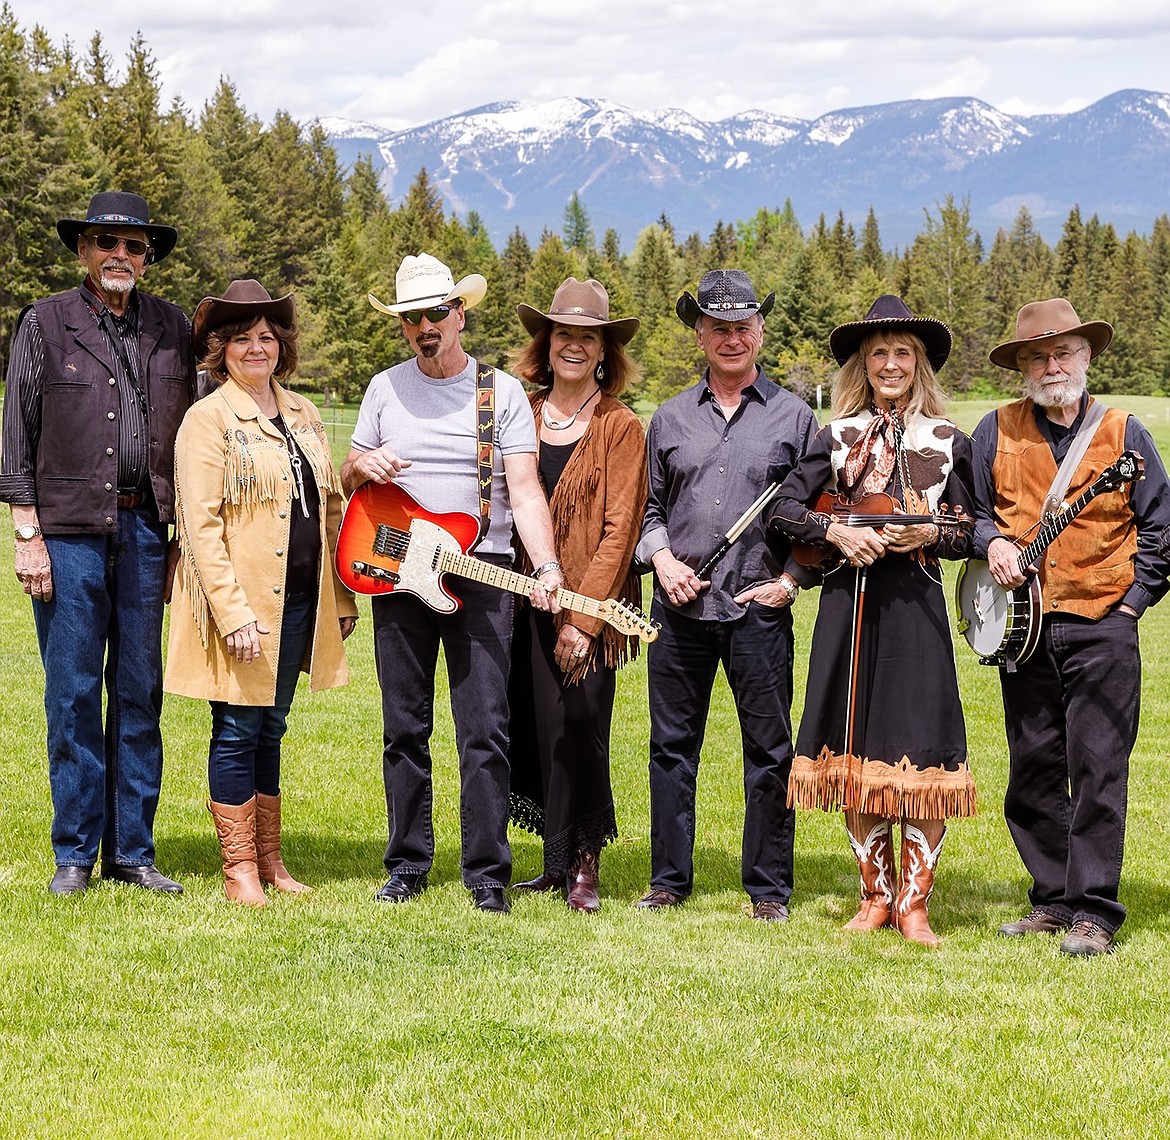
(435, 315)
(110, 242)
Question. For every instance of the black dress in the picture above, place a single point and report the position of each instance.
(559, 732)
(904, 754)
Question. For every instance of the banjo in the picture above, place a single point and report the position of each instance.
(1003, 626)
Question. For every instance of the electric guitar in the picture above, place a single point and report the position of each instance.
(389, 543)
(1004, 626)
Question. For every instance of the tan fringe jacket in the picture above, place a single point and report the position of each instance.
(234, 491)
(597, 511)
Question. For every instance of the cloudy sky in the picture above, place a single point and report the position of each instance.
(400, 64)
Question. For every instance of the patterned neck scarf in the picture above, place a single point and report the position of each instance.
(884, 426)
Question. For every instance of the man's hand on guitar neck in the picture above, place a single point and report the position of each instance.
(1003, 558)
(378, 466)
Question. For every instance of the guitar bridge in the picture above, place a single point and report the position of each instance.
(390, 542)
(365, 570)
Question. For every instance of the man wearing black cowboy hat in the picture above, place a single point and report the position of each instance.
(98, 381)
(1071, 709)
(712, 450)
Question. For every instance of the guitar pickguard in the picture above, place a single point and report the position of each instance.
(417, 573)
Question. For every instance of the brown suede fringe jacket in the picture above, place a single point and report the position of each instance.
(597, 510)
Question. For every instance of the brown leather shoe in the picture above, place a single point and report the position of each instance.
(546, 882)
(1086, 938)
(657, 900)
(769, 910)
(1035, 922)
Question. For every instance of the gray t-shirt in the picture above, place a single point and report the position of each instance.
(433, 424)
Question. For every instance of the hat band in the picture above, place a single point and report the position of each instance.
(123, 219)
(421, 301)
(724, 306)
(577, 312)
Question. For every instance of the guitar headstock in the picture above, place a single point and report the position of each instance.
(625, 619)
(1127, 468)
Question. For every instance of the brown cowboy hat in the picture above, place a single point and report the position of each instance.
(583, 304)
(242, 299)
(1040, 319)
(889, 314)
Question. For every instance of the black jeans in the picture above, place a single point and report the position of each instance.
(477, 642)
(756, 653)
(1072, 718)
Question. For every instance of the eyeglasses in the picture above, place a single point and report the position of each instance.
(1038, 361)
(110, 242)
(435, 315)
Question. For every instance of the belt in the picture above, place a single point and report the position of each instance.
(129, 501)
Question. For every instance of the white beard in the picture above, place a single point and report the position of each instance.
(1062, 395)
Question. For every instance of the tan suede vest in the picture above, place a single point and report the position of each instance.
(1088, 569)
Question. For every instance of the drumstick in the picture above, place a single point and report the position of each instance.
(741, 524)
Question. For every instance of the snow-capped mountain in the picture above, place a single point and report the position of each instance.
(518, 164)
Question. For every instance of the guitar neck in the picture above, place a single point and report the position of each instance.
(465, 566)
(1051, 529)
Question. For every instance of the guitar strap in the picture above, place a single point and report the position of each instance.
(485, 422)
(1075, 453)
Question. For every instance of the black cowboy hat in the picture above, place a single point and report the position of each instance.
(118, 208)
(889, 314)
(725, 295)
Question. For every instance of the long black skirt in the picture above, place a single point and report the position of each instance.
(559, 746)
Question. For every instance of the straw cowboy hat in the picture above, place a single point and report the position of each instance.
(725, 295)
(118, 208)
(242, 299)
(424, 281)
(1056, 317)
(583, 304)
(889, 314)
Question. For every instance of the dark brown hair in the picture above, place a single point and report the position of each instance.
(217, 340)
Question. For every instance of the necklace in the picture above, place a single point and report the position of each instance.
(560, 425)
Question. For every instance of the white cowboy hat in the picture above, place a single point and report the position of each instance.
(424, 281)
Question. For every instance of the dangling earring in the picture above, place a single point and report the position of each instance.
(599, 372)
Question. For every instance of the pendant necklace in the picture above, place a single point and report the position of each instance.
(561, 425)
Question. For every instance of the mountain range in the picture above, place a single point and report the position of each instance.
(518, 164)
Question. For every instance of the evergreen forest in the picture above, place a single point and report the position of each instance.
(271, 201)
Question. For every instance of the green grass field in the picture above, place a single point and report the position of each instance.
(128, 1015)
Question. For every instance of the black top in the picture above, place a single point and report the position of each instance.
(304, 535)
(554, 458)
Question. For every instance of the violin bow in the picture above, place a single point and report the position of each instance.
(731, 537)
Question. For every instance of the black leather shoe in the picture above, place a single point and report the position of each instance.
(491, 898)
(770, 910)
(401, 888)
(658, 900)
(70, 880)
(150, 878)
(545, 882)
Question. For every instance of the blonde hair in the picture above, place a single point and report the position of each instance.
(853, 393)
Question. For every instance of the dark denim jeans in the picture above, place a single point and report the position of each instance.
(244, 755)
(105, 617)
(756, 653)
(1071, 712)
(477, 644)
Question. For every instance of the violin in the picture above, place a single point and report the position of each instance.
(877, 510)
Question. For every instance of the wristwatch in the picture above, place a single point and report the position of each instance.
(789, 585)
(27, 532)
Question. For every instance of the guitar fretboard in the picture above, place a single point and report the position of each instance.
(452, 562)
(1051, 529)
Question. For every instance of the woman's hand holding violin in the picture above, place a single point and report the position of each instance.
(861, 545)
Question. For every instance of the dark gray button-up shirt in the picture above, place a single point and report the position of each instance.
(706, 470)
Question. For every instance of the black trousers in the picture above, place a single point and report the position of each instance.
(1071, 712)
(756, 654)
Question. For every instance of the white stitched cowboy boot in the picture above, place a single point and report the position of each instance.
(875, 859)
(918, 864)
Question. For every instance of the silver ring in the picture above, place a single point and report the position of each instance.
(578, 652)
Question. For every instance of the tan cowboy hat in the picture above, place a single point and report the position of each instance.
(584, 304)
(1040, 319)
(242, 299)
(424, 281)
(889, 314)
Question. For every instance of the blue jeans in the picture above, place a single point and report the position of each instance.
(477, 645)
(244, 755)
(756, 654)
(104, 619)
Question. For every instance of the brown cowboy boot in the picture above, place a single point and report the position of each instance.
(236, 828)
(546, 881)
(583, 883)
(918, 864)
(268, 860)
(875, 858)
